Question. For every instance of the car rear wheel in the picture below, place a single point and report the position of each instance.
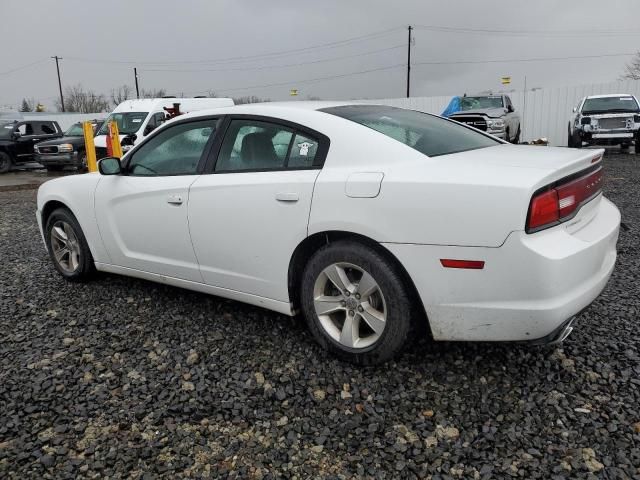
(82, 162)
(68, 246)
(356, 303)
(516, 139)
(5, 162)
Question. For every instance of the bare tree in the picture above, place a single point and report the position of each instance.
(153, 93)
(249, 99)
(77, 99)
(120, 94)
(632, 69)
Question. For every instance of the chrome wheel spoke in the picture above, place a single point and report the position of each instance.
(325, 304)
(65, 246)
(59, 235)
(61, 253)
(373, 317)
(349, 334)
(339, 278)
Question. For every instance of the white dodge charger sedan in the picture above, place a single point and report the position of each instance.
(369, 220)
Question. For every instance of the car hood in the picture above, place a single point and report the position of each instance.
(60, 140)
(489, 112)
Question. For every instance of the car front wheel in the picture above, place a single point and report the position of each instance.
(68, 247)
(356, 303)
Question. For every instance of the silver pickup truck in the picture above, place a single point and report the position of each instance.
(605, 120)
(493, 114)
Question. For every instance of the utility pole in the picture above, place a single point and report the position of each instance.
(409, 62)
(135, 74)
(59, 81)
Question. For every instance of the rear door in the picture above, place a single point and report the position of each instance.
(247, 217)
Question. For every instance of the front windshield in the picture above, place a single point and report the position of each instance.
(74, 131)
(428, 134)
(128, 122)
(6, 128)
(477, 103)
(610, 104)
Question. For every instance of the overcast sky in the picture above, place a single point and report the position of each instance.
(203, 46)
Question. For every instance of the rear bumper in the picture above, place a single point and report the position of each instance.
(57, 159)
(529, 286)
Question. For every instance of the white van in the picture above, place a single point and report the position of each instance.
(141, 117)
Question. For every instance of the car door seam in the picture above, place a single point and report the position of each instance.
(193, 247)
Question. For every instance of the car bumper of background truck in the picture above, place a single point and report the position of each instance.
(57, 159)
(529, 287)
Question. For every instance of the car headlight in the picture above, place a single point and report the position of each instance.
(585, 120)
(65, 147)
(495, 123)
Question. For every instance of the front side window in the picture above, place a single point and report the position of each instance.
(254, 145)
(128, 122)
(174, 151)
(429, 134)
(478, 103)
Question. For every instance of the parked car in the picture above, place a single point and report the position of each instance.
(68, 150)
(370, 220)
(18, 137)
(138, 118)
(493, 114)
(605, 120)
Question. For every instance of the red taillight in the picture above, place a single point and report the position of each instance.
(470, 264)
(560, 201)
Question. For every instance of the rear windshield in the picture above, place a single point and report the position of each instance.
(429, 134)
(623, 104)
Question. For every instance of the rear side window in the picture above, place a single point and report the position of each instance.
(429, 134)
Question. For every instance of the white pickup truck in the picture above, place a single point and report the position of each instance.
(605, 120)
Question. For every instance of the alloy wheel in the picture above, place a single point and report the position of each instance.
(350, 305)
(65, 246)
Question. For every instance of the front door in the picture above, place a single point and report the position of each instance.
(248, 216)
(142, 214)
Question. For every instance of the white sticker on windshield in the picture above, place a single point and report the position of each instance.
(304, 148)
(8, 126)
(136, 120)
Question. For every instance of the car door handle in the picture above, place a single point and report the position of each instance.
(287, 197)
(174, 199)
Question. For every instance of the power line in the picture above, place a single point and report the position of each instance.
(308, 80)
(267, 67)
(520, 32)
(515, 60)
(7, 72)
(336, 44)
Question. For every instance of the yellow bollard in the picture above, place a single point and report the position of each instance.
(114, 137)
(89, 146)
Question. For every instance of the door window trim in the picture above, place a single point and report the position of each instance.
(296, 128)
(203, 157)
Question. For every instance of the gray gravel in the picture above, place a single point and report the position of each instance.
(125, 378)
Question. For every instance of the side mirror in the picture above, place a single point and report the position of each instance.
(510, 109)
(148, 129)
(575, 109)
(16, 135)
(110, 166)
(129, 139)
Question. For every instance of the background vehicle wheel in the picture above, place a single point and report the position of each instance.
(5, 162)
(516, 139)
(82, 162)
(356, 303)
(68, 247)
(507, 136)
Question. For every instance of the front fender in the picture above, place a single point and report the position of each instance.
(75, 192)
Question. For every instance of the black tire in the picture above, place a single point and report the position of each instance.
(82, 165)
(516, 139)
(85, 268)
(54, 168)
(397, 304)
(5, 162)
(507, 138)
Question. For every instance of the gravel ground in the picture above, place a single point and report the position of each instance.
(125, 378)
